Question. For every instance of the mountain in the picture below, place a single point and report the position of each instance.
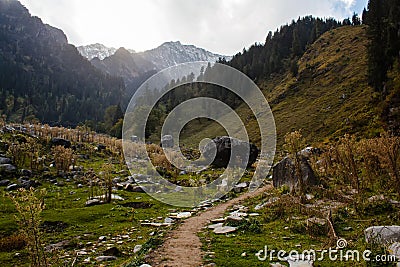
(44, 78)
(171, 53)
(97, 50)
(135, 68)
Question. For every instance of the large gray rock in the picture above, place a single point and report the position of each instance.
(382, 234)
(284, 173)
(5, 182)
(7, 168)
(167, 141)
(224, 145)
(4, 160)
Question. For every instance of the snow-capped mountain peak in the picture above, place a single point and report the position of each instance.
(97, 50)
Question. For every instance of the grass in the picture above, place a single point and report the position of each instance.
(286, 230)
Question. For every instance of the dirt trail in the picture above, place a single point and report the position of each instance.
(183, 246)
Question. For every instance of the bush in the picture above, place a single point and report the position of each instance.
(12, 242)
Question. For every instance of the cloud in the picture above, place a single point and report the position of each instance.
(223, 26)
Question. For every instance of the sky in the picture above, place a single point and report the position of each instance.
(220, 26)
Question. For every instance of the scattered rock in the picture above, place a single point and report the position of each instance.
(113, 251)
(382, 234)
(58, 246)
(5, 182)
(134, 188)
(317, 221)
(376, 198)
(5, 160)
(60, 142)
(168, 220)
(167, 141)
(102, 238)
(28, 184)
(183, 215)
(93, 202)
(134, 138)
(24, 172)
(269, 202)
(224, 230)
(12, 187)
(214, 226)
(221, 148)
(284, 173)
(310, 196)
(219, 220)
(7, 168)
(106, 258)
(240, 187)
(137, 248)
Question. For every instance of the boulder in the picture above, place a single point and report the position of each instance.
(28, 184)
(7, 168)
(134, 188)
(60, 142)
(382, 234)
(12, 187)
(5, 182)
(167, 141)
(284, 173)
(25, 172)
(223, 145)
(4, 160)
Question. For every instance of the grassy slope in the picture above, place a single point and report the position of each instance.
(329, 97)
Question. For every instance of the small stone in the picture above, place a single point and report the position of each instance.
(224, 230)
(102, 238)
(106, 258)
(168, 220)
(213, 226)
(183, 215)
(137, 248)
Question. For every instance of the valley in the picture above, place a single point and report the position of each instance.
(74, 192)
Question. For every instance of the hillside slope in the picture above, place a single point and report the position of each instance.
(329, 97)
